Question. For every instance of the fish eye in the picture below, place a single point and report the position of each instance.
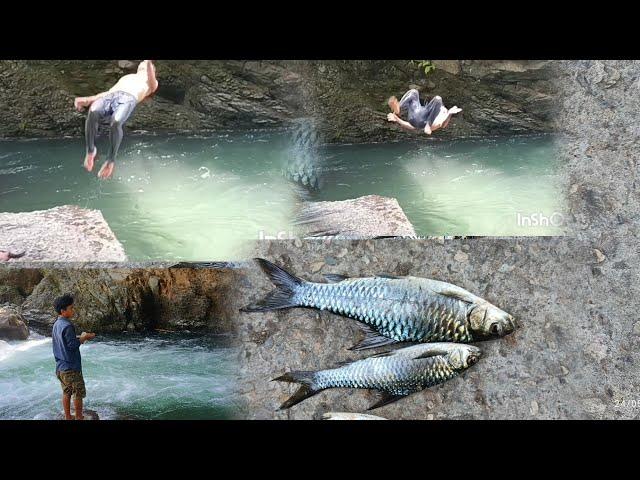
(471, 359)
(495, 329)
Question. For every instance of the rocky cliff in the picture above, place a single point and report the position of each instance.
(118, 299)
(348, 98)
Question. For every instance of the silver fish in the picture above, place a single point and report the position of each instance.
(392, 309)
(396, 374)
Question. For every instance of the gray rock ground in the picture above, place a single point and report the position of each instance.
(65, 234)
(575, 356)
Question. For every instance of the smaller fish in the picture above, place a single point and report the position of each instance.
(396, 374)
(349, 416)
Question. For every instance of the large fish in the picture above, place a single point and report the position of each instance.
(395, 374)
(391, 309)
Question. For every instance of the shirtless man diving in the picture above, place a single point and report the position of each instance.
(429, 117)
(115, 106)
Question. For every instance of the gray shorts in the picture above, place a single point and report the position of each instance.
(117, 104)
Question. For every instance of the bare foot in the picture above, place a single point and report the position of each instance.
(454, 109)
(391, 117)
(79, 103)
(107, 170)
(89, 158)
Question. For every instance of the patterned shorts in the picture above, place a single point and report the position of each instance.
(72, 383)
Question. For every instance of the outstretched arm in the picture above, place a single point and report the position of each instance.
(151, 77)
(392, 117)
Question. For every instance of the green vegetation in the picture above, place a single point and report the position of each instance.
(425, 65)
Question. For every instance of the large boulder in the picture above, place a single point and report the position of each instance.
(362, 217)
(12, 324)
(61, 234)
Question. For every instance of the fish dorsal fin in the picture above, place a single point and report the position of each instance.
(458, 294)
(386, 399)
(384, 275)
(335, 277)
(372, 339)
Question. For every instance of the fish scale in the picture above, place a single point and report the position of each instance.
(395, 375)
(385, 305)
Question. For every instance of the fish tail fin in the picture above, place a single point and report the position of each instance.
(17, 255)
(306, 390)
(282, 297)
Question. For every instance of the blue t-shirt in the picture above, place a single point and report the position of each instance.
(66, 347)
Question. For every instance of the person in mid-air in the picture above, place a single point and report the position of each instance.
(429, 117)
(115, 106)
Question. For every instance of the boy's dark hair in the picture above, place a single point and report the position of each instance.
(63, 302)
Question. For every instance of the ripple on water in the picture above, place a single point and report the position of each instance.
(130, 376)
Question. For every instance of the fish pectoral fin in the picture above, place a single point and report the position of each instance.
(457, 294)
(385, 275)
(335, 277)
(386, 399)
(372, 339)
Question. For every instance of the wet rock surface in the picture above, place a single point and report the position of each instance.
(65, 234)
(87, 414)
(12, 323)
(574, 355)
